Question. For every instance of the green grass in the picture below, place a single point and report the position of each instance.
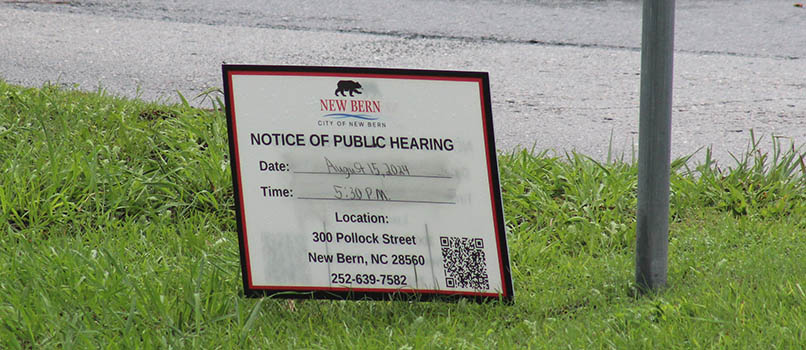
(117, 231)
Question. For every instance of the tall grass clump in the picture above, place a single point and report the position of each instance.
(764, 185)
(573, 204)
(576, 204)
(70, 159)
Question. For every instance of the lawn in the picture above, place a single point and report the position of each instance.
(117, 231)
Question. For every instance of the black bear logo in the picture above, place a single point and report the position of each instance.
(348, 86)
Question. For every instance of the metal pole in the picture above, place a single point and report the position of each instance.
(654, 144)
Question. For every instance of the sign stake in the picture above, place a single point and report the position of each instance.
(654, 144)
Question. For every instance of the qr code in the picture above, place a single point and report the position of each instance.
(464, 262)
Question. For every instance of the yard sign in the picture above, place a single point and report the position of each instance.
(359, 182)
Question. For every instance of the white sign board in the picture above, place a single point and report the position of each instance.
(360, 182)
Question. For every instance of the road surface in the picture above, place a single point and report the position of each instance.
(564, 73)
